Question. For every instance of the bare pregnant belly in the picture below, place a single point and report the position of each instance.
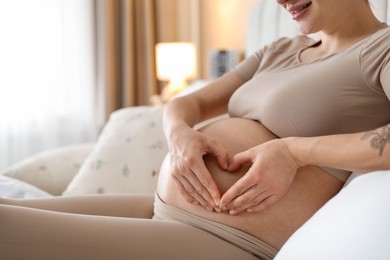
(311, 189)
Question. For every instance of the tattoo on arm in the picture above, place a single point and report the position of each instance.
(379, 138)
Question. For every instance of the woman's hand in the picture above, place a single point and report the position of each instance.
(268, 179)
(189, 170)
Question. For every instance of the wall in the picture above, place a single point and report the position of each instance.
(177, 20)
(219, 24)
(223, 26)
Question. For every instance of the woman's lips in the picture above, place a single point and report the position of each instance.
(298, 11)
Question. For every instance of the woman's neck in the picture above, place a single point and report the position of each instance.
(353, 26)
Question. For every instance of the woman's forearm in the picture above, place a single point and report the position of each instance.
(188, 146)
(203, 104)
(362, 152)
(178, 113)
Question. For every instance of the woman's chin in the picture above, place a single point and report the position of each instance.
(306, 28)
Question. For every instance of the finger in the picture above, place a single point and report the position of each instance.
(266, 203)
(211, 192)
(237, 189)
(183, 191)
(247, 200)
(195, 175)
(197, 190)
(189, 192)
(238, 160)
(221, 155)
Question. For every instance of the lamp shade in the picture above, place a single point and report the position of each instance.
(175, 61)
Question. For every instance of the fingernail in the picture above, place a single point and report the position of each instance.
(226, 166)
(232, 212)
(216, 202)
(218, 210)
(249, 210)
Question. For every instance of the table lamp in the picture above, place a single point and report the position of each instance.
(176, 62)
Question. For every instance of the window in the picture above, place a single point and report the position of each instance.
(47, 76)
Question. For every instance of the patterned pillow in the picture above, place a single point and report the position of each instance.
(127, 156)
(51, 170)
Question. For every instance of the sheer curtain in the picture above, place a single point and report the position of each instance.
(47, 76)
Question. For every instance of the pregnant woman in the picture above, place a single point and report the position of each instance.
(302, 114)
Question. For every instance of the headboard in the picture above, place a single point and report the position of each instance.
(268, 21)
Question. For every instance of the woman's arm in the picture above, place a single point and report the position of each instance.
(187, 146)
(362, 152)
(274, 164)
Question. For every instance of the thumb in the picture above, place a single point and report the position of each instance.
(221, 155)
(238, 160)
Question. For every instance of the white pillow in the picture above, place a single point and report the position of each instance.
(51, 170)
(13, 188)
(127, 156)
(355, 224)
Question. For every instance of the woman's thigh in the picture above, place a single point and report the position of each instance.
(133, 206)
(27, 233)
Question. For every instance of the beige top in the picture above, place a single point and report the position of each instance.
(342, 93)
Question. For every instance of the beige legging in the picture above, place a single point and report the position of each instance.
(102, 227)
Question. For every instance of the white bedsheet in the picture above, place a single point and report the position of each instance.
(13, 188)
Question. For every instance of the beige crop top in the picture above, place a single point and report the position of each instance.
(342, 93)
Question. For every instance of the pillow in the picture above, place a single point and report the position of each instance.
(355, 224)
(51, 170)
(127, 156)
(16, 189)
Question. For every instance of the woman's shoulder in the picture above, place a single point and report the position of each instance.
(378, 41)
(382, 33)
(375, 57)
